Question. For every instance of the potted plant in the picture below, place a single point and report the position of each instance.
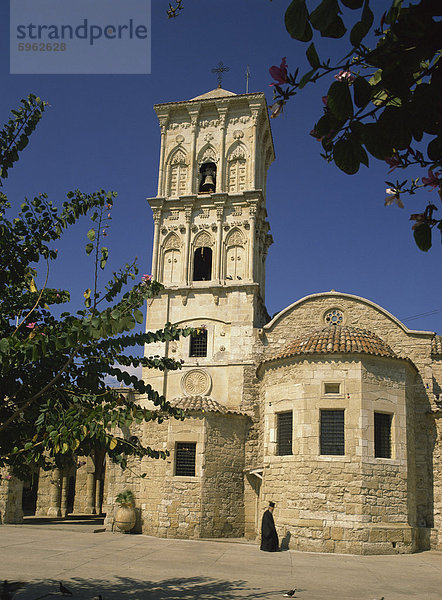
(125, 516)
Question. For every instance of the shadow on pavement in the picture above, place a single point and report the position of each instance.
(184, 588)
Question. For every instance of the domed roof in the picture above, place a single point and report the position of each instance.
(201, 404)
(337, 339)
(216, 93)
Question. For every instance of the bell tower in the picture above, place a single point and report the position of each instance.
(211, 239)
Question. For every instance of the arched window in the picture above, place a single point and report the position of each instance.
(207, 183)
(202, 257)
(177, 181)
(237, 170)
(172, 259)
(235, 256)
(202, 264)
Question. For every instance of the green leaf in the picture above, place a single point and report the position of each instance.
(377, 144)
(352, 3)
(434, 149)
(312, 56)
(394, 123)
(346, 156)
(296, 21)
(335, 30)
(104, 257)
(361, 92)
(324, 14)
(422, 236)
(360, 30)
(89, 248)
(91, 234)
(139, 317)
(339, 100)
(306, 78)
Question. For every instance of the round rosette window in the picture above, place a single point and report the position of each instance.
(334, 317)
(196, 382)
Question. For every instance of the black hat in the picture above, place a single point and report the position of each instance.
(272, 504)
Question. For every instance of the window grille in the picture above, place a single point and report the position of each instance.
(382, 435)
(332, 432)
(185, 457)
(198, 343)
(285, 433)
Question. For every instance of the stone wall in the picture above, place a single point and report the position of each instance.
(223, 476)
(10, 498)
(339, 503)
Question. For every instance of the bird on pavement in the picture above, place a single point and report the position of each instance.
(290, 593)
(64, 590)
(9, 588)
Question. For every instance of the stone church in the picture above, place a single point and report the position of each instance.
(331, 409)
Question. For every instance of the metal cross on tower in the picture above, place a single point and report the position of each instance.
(220, 69)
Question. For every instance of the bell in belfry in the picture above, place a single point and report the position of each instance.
(208, 179)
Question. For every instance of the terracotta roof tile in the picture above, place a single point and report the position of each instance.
(201, 404)
(337, 339)
(436, 345)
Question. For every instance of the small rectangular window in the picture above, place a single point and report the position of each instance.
(285, 433)
(332, 432)
(332, 388)
(185, 458)
(382, 435)
(198, 343)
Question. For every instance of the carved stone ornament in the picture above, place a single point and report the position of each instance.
(235, 239)
(179, 158)
(184, 125)
(156, 215)
(179, 138)
(208, 137)
(235, 120)
(174, 215)
(237, 154)
(203, 240)
(209, 123)
(208, 156)
(196, 382)
(173, 242)
(238, 134)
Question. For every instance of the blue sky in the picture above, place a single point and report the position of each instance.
(330, 230)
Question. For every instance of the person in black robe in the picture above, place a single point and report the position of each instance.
(269, 537)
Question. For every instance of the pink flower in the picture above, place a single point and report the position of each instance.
(345, 75)
(31, 325)
(279, 74)
(432, 180)
(8, 477)
(393, 162)
(276, 109)
(324, 100)
(146, 278)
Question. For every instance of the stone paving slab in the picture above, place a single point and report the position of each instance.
(139, 567)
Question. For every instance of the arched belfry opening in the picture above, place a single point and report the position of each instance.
(202, 264)
(207, 180)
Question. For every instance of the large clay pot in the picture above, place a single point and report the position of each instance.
(125, 518)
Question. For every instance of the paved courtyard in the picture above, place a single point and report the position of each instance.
(121, 566)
